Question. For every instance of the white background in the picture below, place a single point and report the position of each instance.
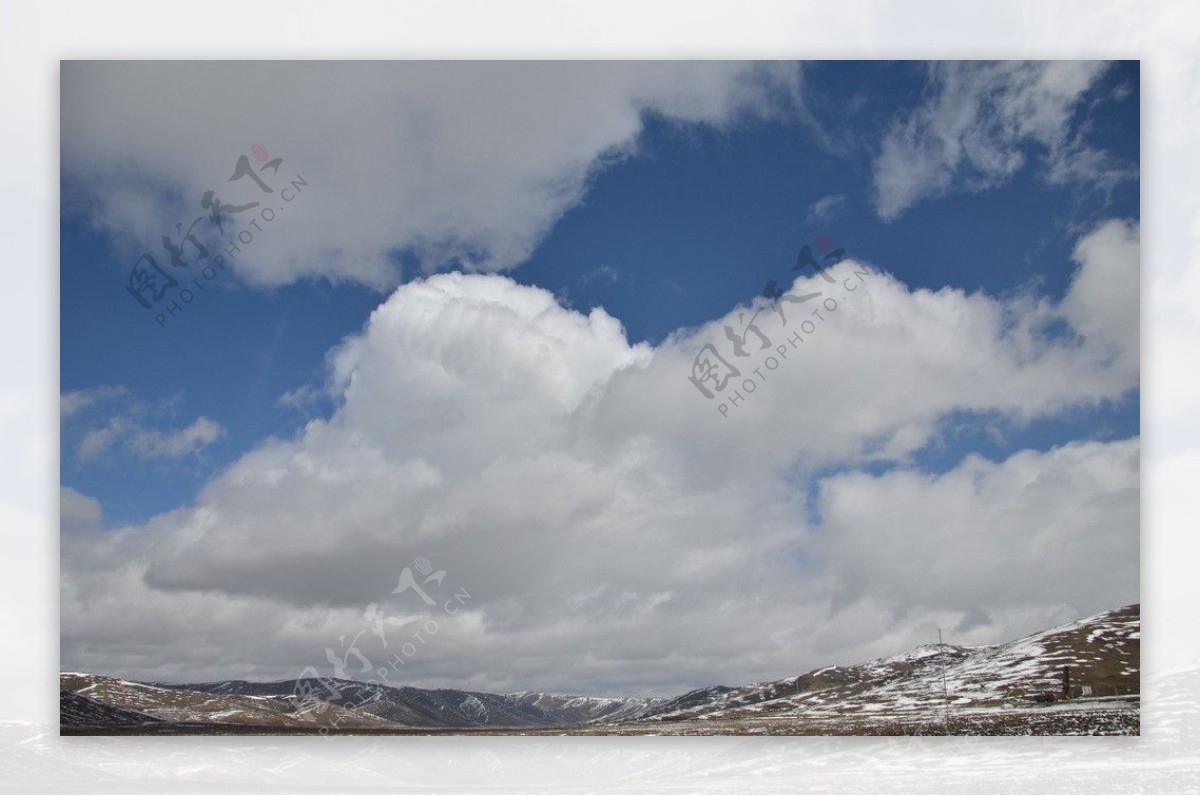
(34, 36)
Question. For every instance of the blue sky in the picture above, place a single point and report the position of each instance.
(339, 367)
(693, 223)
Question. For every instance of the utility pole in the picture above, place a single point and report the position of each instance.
(945, 691)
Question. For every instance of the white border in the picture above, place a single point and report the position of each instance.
(34, 36)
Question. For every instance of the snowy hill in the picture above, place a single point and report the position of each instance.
(1004, 688)
(79, 711)
(190, 705)
(1102, 653)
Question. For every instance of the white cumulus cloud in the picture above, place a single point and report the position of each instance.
(615, 531)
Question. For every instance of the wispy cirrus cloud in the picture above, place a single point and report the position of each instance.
(974, 127)
(824, 209)
(148, 443)
(126, 428)
(74, 402)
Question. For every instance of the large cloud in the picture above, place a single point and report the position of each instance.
(615, 530)
(442, 163)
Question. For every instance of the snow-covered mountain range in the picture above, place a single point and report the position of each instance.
(1013, 687)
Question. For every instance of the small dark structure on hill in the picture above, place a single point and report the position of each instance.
(1065, 693)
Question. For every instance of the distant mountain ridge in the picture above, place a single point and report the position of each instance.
(1102, 652)
(442, 707)
(346, 704)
